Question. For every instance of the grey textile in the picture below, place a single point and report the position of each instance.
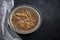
(5, 32)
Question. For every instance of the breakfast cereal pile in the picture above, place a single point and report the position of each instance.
(24, 20)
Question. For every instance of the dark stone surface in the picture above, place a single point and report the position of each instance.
(50, 28)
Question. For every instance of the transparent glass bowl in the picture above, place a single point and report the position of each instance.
(32, 8)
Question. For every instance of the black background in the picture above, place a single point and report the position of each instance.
(50, 28)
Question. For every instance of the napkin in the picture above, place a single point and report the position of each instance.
(6, 32)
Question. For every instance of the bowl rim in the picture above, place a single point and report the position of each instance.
(29, 31)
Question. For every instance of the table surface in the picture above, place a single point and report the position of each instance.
(50, 28)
